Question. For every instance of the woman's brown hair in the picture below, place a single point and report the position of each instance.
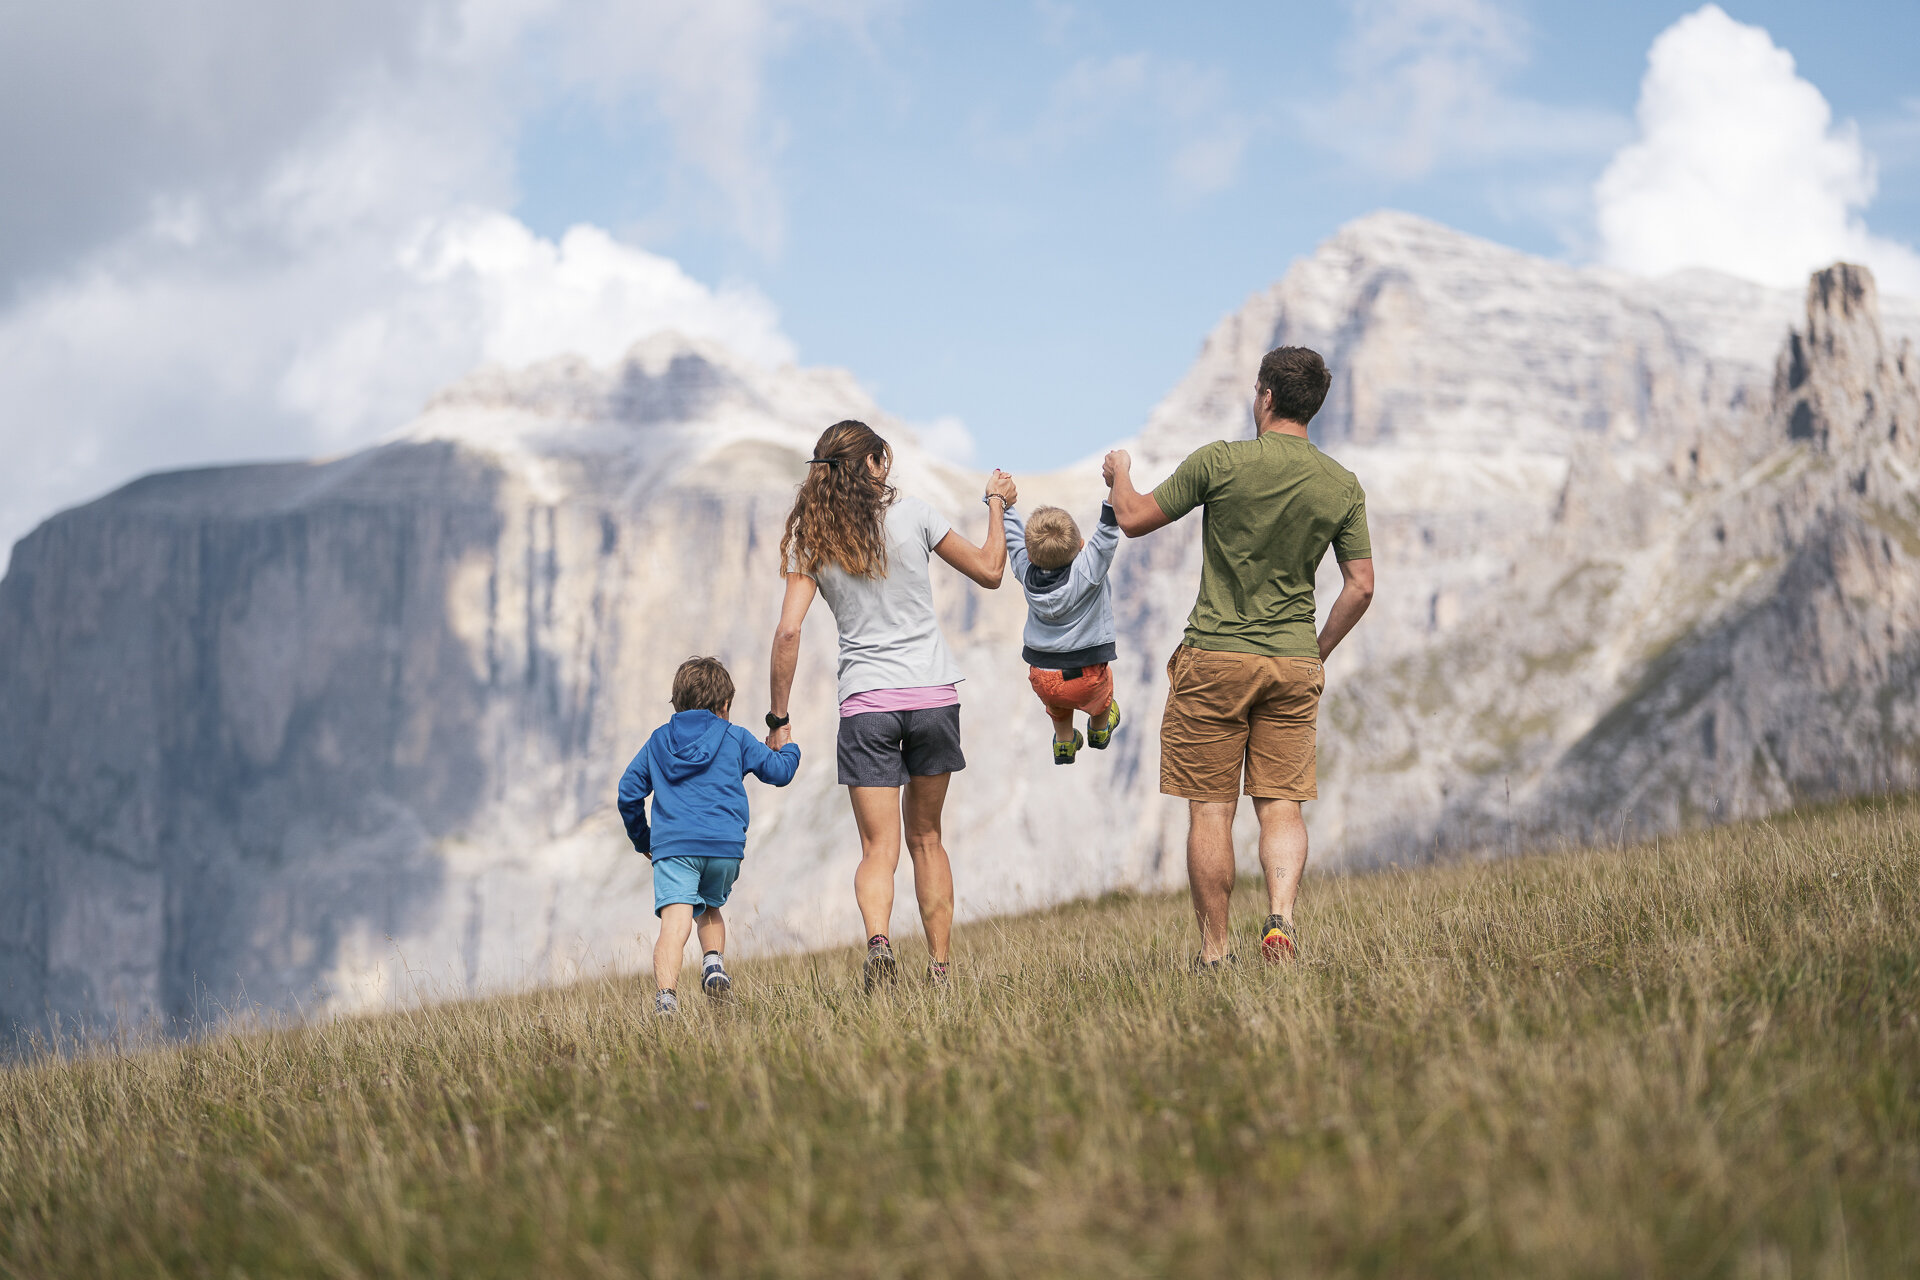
(840, 514)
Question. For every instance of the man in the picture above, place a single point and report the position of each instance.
(1244, 686)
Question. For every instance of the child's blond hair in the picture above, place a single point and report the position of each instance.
(1053, 539)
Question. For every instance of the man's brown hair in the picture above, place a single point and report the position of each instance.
(1298, 379)
(1053, 539)
(702, 684)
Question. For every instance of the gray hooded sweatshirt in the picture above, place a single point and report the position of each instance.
(1069, 609)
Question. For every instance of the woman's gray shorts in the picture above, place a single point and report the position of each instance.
(885, 748)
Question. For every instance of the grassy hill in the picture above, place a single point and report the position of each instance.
(1700, 1057)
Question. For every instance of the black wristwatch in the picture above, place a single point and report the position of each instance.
(777, 722)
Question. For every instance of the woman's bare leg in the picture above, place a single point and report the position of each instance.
(876, 811)
(932, 873)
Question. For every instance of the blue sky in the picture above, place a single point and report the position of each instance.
(233, 231)
(974, 241)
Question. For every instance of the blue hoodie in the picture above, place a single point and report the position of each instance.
(694, 766)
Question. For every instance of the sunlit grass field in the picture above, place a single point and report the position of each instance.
(1694, 1058)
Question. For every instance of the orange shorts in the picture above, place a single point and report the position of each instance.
(1229, 713)
(1091, 693)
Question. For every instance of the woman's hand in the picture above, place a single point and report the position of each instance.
(1000, 485)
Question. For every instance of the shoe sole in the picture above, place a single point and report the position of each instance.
(718, 987)
(1275, 948)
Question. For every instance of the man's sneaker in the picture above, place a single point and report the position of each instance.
(880, 966)
(1277, 939)
(713, 977)
(1100, 732)
(1064, 752)
(1227, 961)
(666, 1003)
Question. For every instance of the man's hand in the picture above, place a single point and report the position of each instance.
(780, 737)
(1137, 512)
(1000, 485)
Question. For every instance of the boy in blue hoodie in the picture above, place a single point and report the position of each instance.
(694, 766)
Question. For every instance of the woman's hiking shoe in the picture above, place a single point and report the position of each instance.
(713, 977)
(1277, 938)
(1227, 961)
(1100, 732)
(666, 1003)
(1064, 752)
(937, 973)
(880, 966)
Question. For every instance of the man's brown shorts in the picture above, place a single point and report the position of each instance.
(1229, 710)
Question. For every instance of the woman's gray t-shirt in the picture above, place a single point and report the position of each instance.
(889, 636)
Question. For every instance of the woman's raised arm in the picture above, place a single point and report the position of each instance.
(986, 564)
(786, 650)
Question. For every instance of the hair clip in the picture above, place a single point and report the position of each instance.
(828, 462)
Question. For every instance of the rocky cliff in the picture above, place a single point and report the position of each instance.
(320, 735)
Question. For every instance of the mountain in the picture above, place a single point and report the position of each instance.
(321, 735)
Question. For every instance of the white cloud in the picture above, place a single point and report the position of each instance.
(1739, 167)
(304, 286)
(1424, 89)
(947, 438)
(477, 286)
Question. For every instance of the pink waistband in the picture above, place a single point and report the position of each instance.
(924, 698)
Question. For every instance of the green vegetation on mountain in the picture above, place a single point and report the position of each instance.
(1699, 1057)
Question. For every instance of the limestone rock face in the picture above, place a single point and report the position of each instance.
(326, 735)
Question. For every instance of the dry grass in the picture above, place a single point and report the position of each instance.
(1695, 1058)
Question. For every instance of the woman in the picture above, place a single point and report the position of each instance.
(853, 539)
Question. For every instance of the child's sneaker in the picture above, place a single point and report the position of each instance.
(1277, 939)
(666, 1003)
(1100, 732)
(880, 966)
(713, 976)
(1064, 752)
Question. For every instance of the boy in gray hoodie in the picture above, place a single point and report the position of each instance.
(1069, 639)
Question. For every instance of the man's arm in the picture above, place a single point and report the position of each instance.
(1137, 512)
(786, 650)
(985, 564)
(1356, 593)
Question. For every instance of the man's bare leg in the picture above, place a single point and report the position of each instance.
(1283, 852)
(932, 871)
(1210, 871)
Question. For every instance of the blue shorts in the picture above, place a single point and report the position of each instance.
(704, 882)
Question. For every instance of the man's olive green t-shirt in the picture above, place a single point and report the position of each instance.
(1274, 504)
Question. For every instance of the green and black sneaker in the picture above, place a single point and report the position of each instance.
(1064, 752)
(1100, 732)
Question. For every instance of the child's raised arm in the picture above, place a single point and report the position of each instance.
(636, 784)
(1096, 557)
(1016, 543)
